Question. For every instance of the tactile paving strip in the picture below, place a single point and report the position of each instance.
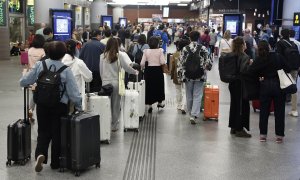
(142, 154)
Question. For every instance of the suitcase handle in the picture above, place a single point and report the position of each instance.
(26, 104)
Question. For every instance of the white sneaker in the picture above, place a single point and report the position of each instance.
(293, 113)
(39, 163)
(192, 120)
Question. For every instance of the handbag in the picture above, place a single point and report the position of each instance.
(106, 90)
(287, 83)
(165, 69)
(121, 79)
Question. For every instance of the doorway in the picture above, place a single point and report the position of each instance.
(16, 29)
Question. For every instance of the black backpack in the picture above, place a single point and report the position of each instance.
(292, 56)
(228, 67)
(47, 91)
(138, 55)
(193, 68)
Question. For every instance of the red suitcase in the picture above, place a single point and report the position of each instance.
(256, 105)
(24, 57)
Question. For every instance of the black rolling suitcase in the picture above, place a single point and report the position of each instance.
(80, 142)
(19, 137)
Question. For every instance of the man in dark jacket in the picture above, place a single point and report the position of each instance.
(90, 54)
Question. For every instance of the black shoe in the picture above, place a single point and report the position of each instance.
(39, 163)
(232, 131)
(54, 167)
(160, 106)
(242, 134)
(150, 110)
(183, 112)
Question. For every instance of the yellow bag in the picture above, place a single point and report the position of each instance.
(121, 80)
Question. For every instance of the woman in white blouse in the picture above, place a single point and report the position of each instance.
(225, 43)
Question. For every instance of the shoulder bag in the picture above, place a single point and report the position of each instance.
(121, 78)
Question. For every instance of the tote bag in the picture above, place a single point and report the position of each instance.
(121, 79)
(287, 83)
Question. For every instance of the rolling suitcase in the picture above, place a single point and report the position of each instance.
(19, 137)
(140, 87)
(130, 110)
(211, 102)
(101, 105)
(24, 57)
(80, 142)
(256, 105)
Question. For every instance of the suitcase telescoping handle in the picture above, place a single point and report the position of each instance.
(26, 104)
(88, 89)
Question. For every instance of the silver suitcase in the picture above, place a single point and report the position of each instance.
(141, 88)
(101, 105)
(130, 110)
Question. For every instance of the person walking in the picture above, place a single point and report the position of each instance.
(191, 56)
(265, 67)
(239, 107)
(49, 116)
(110, 63)
(212, 42)
(90, 54)
(179, 85)
(250, 44)
(152, 61)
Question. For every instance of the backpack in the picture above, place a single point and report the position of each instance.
(228, 67)
(47, 92)
(138, 55)
(193, 68)
(292, 56)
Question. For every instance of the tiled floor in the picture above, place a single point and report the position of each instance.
(167, 147)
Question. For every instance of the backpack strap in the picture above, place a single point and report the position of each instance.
(44, 65)
(287, 42)
(61, 69)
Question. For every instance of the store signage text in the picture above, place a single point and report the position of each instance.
(296, 19)
(2, 12)
(30, 15)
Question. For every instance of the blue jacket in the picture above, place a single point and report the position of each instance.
(90, 54)
(67, 78)
(165, 39)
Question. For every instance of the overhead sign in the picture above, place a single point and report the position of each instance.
(296, 19)
(2, 12)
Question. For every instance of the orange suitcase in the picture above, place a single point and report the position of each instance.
(211, 102)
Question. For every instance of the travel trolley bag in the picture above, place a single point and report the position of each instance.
(80, 142)
(19, 137)
(131, 110)
(141, 88)
(211, 102)
(24, 57)
(256, 105)
(101, 105)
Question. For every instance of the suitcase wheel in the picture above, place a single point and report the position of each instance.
(107, 141)
(8, 163)
(22, 163)
(137, 130)
(97, 165)
(125, 130)
(77, 173)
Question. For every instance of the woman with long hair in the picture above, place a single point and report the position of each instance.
(110, 62)
(225, 43)
(152, 61)
(239, 107)
(265, 67)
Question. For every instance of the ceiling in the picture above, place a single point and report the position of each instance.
(148, 2)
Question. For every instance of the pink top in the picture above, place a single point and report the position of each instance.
(155, 57)
(34, 55)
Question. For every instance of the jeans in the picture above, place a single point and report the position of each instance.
(180, 97)
(270, 89)
(194, 93)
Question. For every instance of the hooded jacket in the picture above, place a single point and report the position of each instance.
(80, 71)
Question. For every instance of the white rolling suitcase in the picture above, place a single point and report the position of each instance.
(130, 110)
(140, 87)
(101, 105)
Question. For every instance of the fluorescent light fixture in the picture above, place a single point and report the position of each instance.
(182, 4)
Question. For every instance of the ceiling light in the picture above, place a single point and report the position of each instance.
(182, 4)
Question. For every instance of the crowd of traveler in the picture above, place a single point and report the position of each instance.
(97, 56)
